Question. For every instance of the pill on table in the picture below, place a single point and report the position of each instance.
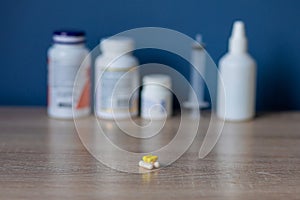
(145, 165)
(156, 164)
(150, 158)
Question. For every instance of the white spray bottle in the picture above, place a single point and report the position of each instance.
(238, 73)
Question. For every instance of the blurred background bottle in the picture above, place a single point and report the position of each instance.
(238, 73)
(116, 79)
(68, 75)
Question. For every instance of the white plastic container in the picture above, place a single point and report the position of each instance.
(156, 99)
(238, 72)
(65, 57)
(116, 79)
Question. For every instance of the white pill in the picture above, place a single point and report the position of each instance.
(145, 165)
(156, 164)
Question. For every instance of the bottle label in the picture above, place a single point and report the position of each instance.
(156, 107)
(117, 91)
(64, 94)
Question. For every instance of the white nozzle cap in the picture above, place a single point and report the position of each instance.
(238, 39)
(199, 38)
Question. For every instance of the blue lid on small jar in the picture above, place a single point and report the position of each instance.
(69, 37)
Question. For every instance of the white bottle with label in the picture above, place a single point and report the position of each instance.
(238, 73)
(156, 101)
(65, 57)
(116, 79)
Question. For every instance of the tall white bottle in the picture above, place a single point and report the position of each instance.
(236, 102)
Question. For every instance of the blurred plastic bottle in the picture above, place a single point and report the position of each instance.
(65, 57)
(116, 79)
(238, 73)
(156, 101)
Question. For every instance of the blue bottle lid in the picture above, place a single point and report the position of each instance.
(69, 36)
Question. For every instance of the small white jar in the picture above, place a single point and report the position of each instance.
(116, 79)
(156, 99)
(65, 57)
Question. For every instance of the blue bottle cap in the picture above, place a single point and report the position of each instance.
(69, 36)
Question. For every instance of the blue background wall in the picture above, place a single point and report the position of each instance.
(273, 29)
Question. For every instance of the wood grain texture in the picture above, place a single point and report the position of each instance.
(42, 158)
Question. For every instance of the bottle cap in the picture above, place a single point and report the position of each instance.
(117, 45)
(238, 39)
(158, 79)
(68, 36)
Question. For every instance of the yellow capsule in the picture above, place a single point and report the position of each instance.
(150, 158)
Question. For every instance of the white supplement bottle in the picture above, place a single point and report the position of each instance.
(238, 72)
(116, 79)
(67, 54)
(156, 99)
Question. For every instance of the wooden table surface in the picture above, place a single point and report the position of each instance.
(43, 158)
